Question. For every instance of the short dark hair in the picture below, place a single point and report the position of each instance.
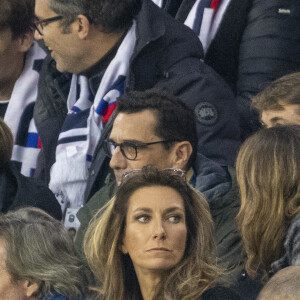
(18, 15)
(286, 89)
(175, 121)
(112, 15)
(6, 145)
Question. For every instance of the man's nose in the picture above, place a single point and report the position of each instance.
(118, 161)
(37, 35)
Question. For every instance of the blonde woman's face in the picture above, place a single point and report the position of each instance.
(155, 233)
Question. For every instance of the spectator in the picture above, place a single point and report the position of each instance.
(143, 118)
(249, 43)
(155, 241)
(284, 285)
(110, 51)
(37, 258)
(268, 174)
(279, 103)
(17, 190)
(20, 62)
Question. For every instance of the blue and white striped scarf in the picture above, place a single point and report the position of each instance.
(83, 126)
(19, 113)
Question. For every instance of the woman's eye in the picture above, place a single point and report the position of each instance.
(174, 219)
(143, 219)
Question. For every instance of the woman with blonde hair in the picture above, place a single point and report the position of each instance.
(155, 241)
(268, 173)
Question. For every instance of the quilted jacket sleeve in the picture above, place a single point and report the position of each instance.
(269, 49)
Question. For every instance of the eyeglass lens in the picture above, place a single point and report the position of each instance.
(128, 151)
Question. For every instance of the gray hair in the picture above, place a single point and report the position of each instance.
(113, 16)
(283, 285)
(39, 248)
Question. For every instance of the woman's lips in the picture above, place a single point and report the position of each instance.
(159, 249)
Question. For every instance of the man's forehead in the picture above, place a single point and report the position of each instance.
(42, 9)
(134, 126)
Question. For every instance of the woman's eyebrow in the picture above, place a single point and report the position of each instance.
(144, 209)
(171, 209)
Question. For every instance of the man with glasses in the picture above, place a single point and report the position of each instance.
(20, 62)
(107, 48)
(153, 128)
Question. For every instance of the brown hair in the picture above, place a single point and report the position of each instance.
(38, 248)
(285, 89)
(194, 274)
(6, 144)
(268, 173)
(17, 15)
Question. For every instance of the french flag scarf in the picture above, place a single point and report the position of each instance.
(205, 18)
(83, 126)
(19, 113)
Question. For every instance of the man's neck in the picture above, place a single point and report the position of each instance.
(103, 63)
(98, 46)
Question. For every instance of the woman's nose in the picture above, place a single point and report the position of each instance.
(159, 231)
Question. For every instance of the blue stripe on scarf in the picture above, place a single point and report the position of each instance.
(26, 118)
(32, 140)
(37, 65)
(119, 85)
(32, 171)
(102, 107)
(76, 109)
(72, 139)
(76, 120)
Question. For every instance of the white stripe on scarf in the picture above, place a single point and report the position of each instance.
(70, 171)
(210, 23)
(24, 93)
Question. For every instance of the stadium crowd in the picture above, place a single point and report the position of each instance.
(149, 149)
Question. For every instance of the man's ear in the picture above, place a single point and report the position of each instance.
(82, 26)
(25, 41)
(31, 287)
(181, 154)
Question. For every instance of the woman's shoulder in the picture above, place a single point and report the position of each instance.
(220, 293)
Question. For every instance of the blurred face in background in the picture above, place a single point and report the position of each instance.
(290, 114)
(12, 53)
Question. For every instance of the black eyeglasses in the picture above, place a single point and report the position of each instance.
(128, 149)
(40, 24)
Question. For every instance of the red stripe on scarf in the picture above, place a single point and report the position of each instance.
(39, 144)
(109, 112)
(214, 4)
